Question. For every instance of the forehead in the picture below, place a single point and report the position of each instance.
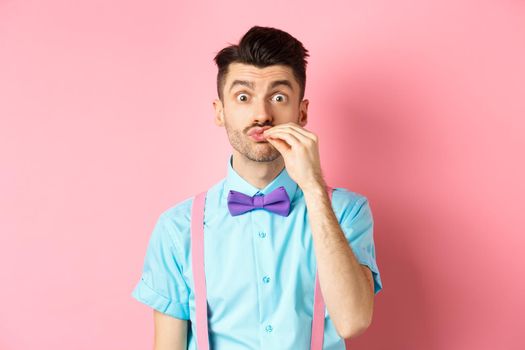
(260, 76)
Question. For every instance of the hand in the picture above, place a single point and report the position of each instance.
(300, 151)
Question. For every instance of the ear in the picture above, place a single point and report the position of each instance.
(303, 112)
(219, 112)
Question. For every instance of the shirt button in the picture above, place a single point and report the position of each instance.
(266, 279)
(269, 328)
(262, 234)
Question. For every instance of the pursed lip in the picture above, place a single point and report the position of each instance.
(258, 130)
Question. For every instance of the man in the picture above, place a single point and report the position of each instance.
(261, 265)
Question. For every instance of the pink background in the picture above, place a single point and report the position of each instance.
(418, 105)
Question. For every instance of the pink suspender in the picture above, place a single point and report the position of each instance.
(197, 262)
(201, 306)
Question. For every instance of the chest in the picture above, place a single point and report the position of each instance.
(258, 262)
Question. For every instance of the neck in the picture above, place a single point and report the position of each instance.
(258, 174)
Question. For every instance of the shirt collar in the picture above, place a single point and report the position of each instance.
(235, 182)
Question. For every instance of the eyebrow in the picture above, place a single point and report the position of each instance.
(251, 85)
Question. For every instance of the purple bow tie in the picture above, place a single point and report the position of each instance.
(276, 201)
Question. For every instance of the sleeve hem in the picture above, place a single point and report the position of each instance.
(146, 295)
(368, 261)
(378, 285)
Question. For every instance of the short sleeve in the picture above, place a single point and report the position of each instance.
(358, 226)
(162, 285)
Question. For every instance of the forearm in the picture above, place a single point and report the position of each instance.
(344, 285)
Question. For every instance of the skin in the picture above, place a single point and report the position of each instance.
(170, 332)
(347, 286)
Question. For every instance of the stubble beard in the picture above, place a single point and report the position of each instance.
(255, 151)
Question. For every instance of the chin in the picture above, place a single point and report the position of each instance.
(264, 157)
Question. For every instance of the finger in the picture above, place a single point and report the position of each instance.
(301, 131)
(292, 140)
(281, 146)
(301, 134)
(291, 135)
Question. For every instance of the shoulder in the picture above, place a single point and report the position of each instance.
(177, 217)
(178, 212)
(173, 224)
(347, 203)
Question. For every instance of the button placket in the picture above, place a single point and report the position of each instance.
(261, 221)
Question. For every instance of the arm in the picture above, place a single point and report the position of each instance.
(170, 332)
(347, 286)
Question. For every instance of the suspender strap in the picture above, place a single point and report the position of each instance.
(197, 261)
(199, 280)
(318, 318)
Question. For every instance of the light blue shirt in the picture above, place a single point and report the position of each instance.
(260, 266)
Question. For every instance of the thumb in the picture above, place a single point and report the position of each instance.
(279, 144)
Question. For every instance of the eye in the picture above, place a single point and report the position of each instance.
(242, 97)
(279, 98)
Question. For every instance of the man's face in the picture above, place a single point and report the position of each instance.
(258, 97)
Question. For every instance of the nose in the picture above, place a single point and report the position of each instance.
(262, 113)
